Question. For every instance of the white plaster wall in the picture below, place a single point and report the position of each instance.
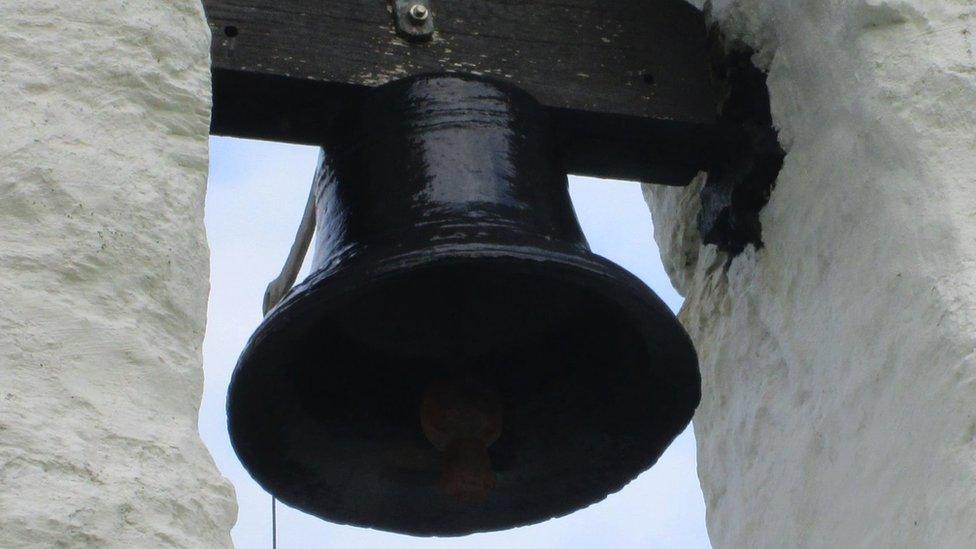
(103, 276)
(839, 361)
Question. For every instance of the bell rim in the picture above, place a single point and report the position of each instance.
(575, 258)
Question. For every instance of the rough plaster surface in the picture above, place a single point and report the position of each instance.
(839, 361)
(103, 276)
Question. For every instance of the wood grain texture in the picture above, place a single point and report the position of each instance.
(627, 81)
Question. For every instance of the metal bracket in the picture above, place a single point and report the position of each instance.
(747, 158)
(414, 19)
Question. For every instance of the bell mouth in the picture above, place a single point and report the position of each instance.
(593, 373)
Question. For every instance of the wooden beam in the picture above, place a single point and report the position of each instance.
(626, 80)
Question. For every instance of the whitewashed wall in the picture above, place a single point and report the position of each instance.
(103, 276)
(839, 361)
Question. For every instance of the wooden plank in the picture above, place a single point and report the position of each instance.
(626, 80)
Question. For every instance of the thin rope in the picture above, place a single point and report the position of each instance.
(280, 286)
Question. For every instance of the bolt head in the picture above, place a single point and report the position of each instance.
(419, 13)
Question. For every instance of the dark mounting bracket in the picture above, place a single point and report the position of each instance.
(635, 89)
(747, 155)
(625, 83)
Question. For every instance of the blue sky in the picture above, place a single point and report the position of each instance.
(256, 194)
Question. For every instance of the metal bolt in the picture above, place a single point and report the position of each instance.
(418, 13)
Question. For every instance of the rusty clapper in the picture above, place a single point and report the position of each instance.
(458, 361)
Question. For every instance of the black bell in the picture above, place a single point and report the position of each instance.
(459, 361)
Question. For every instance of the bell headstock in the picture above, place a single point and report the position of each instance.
(626, 82)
